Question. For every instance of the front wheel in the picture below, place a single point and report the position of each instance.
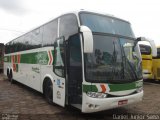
(49, 92)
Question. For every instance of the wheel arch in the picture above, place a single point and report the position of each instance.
(45, 79)
(9, 71)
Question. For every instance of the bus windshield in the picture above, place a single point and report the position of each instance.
(116, 59)
(106, 24)
(145, 49)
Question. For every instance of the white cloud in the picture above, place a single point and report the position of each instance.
(13, 6)
(143, 14)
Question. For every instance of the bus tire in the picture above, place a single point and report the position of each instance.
(8, 73)
(11, 77)
(48, 91)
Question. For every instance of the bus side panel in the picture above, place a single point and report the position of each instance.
(27, 66)
(147, 66)
(156, 68)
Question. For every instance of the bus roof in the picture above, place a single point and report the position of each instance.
(97, 12)
(72, 12)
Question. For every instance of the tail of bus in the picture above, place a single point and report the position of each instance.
(156, 65)
(148, 51)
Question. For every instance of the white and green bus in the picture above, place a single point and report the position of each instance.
(84, 59)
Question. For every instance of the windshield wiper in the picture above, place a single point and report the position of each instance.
(131, 67)
(114, 58)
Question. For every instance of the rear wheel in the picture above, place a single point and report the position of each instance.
(11, 77)
(8, 74)
(48, 91)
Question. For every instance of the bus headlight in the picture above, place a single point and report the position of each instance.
(139, 89)
(96, 95)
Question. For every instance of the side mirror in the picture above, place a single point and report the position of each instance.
(152, 43)
(135, 56)
(88, 39)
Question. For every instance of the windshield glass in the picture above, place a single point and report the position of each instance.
(106, 24)
(114, 59)
(145, 49)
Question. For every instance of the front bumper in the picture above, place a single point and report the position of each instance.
(99, 104)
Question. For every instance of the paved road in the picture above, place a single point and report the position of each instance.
(20, 102)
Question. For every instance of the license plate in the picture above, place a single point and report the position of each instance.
(122, 102)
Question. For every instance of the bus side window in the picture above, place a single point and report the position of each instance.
(68, 25)
(50, 33)
(59, 57)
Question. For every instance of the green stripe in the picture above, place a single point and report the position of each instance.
(92, 88)
(121, 87)
(31, 58)
(114, 87)
(7, 59)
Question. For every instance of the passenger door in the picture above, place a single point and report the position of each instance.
(74, 70)
(59, 70)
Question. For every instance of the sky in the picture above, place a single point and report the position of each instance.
(20, 16)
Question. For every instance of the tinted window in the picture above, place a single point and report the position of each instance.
(145, 49)
(11, 46)
(7, 48)
(106, 55)
(27, 41)
(36, 38)
(59, 57)
(106, 24)
(50, 33)
(75, 50)
(18, 44)
(112, 60)
(68, 25)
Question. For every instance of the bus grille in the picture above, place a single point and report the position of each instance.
(158, 72)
